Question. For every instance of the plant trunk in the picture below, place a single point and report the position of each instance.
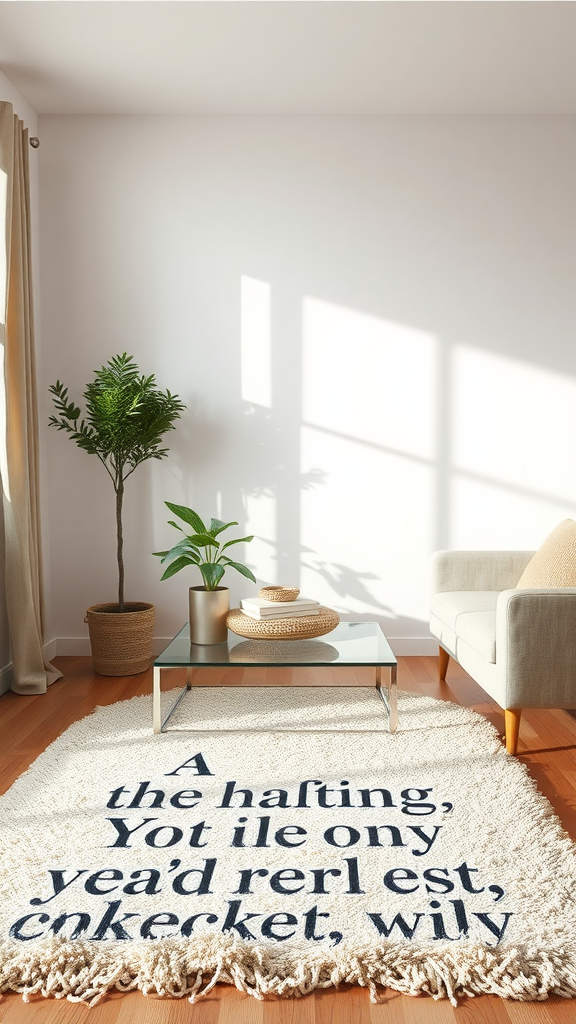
(120, 542)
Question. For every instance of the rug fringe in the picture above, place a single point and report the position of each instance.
(174, 968)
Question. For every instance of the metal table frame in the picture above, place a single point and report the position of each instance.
(388, 694)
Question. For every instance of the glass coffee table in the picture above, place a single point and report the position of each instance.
(355, 644)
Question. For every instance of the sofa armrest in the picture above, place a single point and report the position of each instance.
(536, 647)
(477, 570)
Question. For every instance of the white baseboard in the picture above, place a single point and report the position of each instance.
(413, 646)
(6, 678)
(50, 649)
(159, 644)
(406, 647)
(78, 646)
(72, 646)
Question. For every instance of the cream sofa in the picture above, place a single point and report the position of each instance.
(519, 645)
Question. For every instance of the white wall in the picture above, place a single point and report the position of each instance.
(413, 280)
(22, 108)
(10, 94)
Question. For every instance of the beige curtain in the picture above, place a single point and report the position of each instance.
(19, 446)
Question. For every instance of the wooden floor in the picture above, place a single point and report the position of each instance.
(547, 745)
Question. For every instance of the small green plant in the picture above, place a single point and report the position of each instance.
(202, 548)
(126, 418)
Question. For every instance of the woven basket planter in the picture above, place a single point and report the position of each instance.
(121, 642)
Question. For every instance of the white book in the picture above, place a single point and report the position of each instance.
(269, 616)
(284, 609)
(261, 602)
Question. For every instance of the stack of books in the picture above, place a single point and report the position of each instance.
(258, 608)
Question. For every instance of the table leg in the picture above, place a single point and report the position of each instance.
(393, 698)
(390, 698)
(156, 702)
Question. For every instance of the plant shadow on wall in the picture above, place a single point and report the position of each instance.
(250, 443)
(307, 456)
(247, 460)
(345, 582)
(350, 585)
(243, 454)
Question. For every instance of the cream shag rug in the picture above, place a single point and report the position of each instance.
(287, 841)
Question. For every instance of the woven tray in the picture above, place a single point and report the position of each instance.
(302, 628)
(279, 594)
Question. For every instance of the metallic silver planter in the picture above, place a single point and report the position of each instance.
(208, 611)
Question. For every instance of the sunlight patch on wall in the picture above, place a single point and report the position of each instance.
(255, 341)
(368, 529)
(513, 450)
(260, 554)
(369, 378)
(369, 411)
(489, 516)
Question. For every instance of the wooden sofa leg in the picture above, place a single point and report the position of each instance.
(512, 718)
(443, 659)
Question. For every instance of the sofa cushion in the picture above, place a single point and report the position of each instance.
(554, 564)
(444, 635)
(450, 605)
(478, 630)
(471, 616)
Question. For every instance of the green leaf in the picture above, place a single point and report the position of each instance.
(160, 554)
(242, 569)
(211, 574)
(175, 567)
(203, 540)
(239, 540)
(216, 527)
(188, 515)
(172, 523)
(183, 547)
(126, 416)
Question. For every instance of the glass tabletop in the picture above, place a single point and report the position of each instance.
(351, 643)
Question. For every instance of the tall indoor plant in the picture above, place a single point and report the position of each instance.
(124, 424)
